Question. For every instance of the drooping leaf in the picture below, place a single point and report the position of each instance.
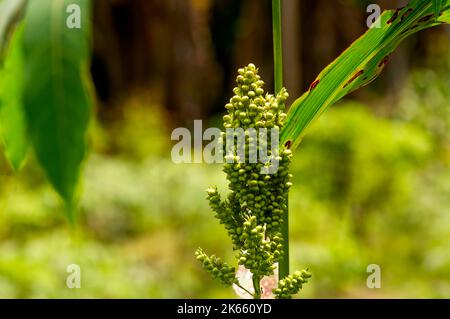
(360, 64)
(10, 13)
(56, 96)
(12, 119)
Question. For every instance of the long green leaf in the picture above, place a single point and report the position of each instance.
(10, 13)
(360, 64)
(12, 118)
(56, 95)
(437, 6)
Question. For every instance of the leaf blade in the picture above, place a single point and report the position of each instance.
(357, 66)
(56, 98)
(12, 118)
(437, 6)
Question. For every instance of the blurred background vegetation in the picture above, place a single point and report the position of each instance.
(371, 179)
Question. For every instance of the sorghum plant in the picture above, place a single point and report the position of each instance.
(253, 211)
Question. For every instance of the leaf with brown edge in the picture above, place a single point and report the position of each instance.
(359, 64)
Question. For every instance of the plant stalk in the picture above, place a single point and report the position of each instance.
(277, 45)
(283, 267)
(257, 286)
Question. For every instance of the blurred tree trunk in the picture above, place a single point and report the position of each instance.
(185, 53)
(160, 46)
(254, 41)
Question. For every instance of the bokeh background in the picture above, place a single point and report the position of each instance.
(371, 179)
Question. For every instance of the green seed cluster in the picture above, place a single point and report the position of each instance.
(258, 253)
(291, 285)
(226, 215)
(260, 195)
(252, 213)
(249, 107)
(217, 268)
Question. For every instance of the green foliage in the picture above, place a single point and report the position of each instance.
(355, 158)
(360, 64)
(12, 118)
(371, 190)
(427, 106)
(44, 89)
(360, 196)
(137, 124)
(56, 98)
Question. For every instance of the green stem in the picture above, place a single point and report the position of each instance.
(277, 45)
(278, 78)
(257, 286)
(283, 266)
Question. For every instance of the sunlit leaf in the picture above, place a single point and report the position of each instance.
(360, 64)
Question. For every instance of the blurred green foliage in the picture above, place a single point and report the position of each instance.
(368, 189)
